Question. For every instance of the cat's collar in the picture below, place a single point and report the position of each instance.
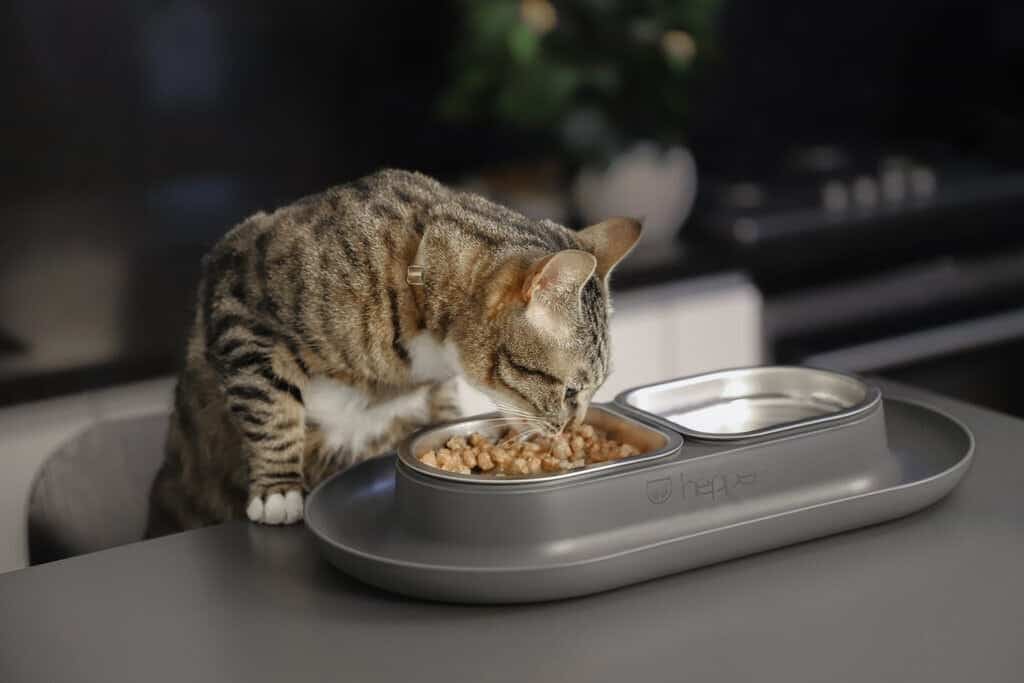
(414, 273)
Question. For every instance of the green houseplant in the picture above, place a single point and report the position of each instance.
(598, 73)
(610, 82)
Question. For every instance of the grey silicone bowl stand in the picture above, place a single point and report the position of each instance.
(355, 520)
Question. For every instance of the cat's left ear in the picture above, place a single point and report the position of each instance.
(558, 278)
(610, 241)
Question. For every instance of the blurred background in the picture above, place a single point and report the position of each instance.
(853, 170)
(835, 184)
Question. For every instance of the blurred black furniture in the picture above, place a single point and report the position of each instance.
(925, 288)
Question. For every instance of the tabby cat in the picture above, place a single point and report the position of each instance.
(315, 345)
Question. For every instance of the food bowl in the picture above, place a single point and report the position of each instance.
(491, 510)
(704, 490)
(653, 442)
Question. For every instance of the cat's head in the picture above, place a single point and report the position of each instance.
(547, 348)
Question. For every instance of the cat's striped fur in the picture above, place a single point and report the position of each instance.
(312, 299)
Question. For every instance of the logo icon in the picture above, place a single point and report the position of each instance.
(659, 490)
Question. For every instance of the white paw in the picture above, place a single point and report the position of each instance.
(276, 508)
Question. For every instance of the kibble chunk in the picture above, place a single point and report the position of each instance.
(483, 461)
(550, 464)
(576, 447)
(457, 443)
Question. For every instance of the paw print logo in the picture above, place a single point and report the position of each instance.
(659, 490)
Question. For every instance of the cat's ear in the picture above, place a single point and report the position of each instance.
(610, 241)
(558, 278)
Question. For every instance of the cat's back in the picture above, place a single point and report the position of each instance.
(356, 228)
(385, 199)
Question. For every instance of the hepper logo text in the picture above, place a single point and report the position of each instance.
(659, 490)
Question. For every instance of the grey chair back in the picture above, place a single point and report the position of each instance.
(93, 492)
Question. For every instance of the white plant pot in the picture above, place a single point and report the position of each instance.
(647, 182)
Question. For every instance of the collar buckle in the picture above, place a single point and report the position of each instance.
(414, 276)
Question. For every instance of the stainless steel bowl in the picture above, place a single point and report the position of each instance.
(746, 403)
(651, 441)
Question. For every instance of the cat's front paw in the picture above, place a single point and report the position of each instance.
(276, 508)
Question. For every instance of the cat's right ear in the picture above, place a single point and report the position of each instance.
(610, 241)
(559, 278)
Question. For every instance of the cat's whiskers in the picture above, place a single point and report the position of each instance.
(510, 422)
(512, 410)
(525, 416)
(519, 412)
(533, 419)
(522, 418)
(520, 437)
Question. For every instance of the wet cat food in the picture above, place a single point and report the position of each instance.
(511, 454)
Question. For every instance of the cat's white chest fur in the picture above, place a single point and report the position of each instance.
(346, 415)
(432, 360)
(347, 418)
